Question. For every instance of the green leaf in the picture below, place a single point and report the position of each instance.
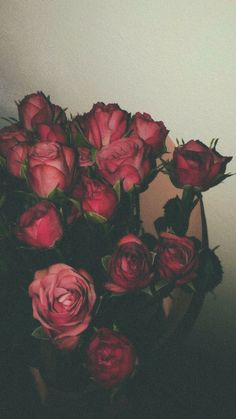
(105, 261)
(96, 218)
(210, 272)
(40, 334)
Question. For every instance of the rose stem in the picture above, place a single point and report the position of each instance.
(205, 239)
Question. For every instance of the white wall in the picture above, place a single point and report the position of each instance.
(173, 58)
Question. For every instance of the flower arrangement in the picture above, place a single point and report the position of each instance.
(71, 236)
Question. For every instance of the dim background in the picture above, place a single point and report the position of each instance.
(175, 59)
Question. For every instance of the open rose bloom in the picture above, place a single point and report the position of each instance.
(71, 232)
(63, 301)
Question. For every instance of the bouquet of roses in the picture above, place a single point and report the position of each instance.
(72, 240)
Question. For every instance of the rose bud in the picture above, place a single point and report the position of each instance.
(51, 133)
(63, 299)
(96, 197)
(110, 357)
(152, 133)
(16, 157)
(51, 165)
(40, 225)
(104, 124)
(130, 266)
(125, 160)
(177, 259)
(9, 136)
(197, 165)
(35, 109)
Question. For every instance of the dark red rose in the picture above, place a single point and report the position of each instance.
(9, 136)
(63, 299)
(177, 259)
(125, 160)
(110, 357)
(35, 109)
(130, 266)
(104, 124)
(16, 157)
(197, 165)
(40, 225)
(96, 197)
(152, 132)
(51, 165)
(52, 133)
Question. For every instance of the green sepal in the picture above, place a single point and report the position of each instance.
(24, 169)
(190, 286)
(96, 218)
(3, 163)
(160, 284)
(117, 189)
(105, 262)
(39, 333)
(81, 140)
(76, 203)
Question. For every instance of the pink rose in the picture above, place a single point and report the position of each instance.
(96, 197)
(40, 225)
(63, 299)
(177, 259)
(152, 132)
(35, 109)
(125, 160)
(51, 133)
(51, 165)
(9, 136)
(130, 266)
(104, 124)
(195, 164)
(16, 157)
(110, 357)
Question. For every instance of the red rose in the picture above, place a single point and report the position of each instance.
(125, 160)
(152, 133)
(40, 225)
(177, 259)
(96, 197)
(16, 157)
(110, 357)
(197, 165)
(9, 136)
(62, 300)
(51, 165)
(35, 109)
(130, 266)
(51, 133)
(104, 124)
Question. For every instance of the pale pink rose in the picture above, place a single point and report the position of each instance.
(63, 299)
(52, 133)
